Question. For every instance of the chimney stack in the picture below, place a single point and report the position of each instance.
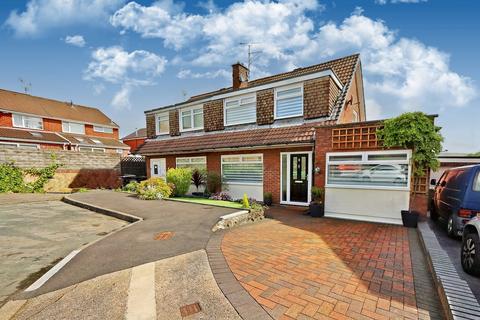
(239, 76)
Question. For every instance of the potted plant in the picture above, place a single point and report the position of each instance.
(415, 131)
(267, 199)
(316, 205)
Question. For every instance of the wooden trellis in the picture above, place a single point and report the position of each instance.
(355, 138)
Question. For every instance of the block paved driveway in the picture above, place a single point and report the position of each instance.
(298, 267)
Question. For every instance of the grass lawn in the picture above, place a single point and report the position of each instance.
(218, 203)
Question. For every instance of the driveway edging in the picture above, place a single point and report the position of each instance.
(109, 212)
(455, 295)
(238, 297)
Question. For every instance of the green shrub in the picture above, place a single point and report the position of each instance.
(181, 178)
(214, 182)
(11, 178)
(317, 194)
(132, 186)
(245, 203)
(153, 189)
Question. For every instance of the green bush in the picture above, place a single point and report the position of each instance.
(245, 202)
(317, 194)
(153, 189)
(214, 182)
(132, 186)
(181, 178)
(11, 178)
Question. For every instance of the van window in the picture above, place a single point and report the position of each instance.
(476, 182)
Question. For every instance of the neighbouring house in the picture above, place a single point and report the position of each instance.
(451, 160)
(284, 133)
(135, 139)
(32, 122)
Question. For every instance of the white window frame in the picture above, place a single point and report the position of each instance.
(24, 117)
(309, 178)
(19, 145)
(180, 118)
(292, 86)
(204, 158)
(238, 99)
(102, 129)
(157, 127)
(69, 129)
(241, 161)
(90, 149)
(365, 160)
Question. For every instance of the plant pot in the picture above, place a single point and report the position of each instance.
(410, 218)
(267, 202)
(316, 210)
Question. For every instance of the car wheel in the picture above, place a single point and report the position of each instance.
(451, 228)
(470, 254)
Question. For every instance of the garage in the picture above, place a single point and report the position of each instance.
(368, 185)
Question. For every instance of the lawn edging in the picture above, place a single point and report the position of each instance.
(109, 212)
(199, 203)
(455, 295)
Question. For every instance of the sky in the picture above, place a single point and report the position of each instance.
(127, 57)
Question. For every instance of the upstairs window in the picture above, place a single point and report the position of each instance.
(73, 127)
(191, 119)
(240, 110)
(162, 123)
(102, 129)
(289, 101)
(22, 121)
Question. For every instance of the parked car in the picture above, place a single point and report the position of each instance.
(385, 173)
(456, 198)
(470, 255)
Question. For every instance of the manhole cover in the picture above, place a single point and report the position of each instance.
(190, 309)
(163, 235)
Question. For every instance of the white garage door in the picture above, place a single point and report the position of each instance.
(370, 186)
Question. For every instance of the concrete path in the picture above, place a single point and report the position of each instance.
(188, 228)
(36, 232)
(157, 290)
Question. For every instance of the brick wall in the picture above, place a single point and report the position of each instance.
(150, 125)
(213, 115)
(317, 97)
(5, 119)
(173, 123)
(265, 107)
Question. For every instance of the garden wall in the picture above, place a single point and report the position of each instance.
(79, 169)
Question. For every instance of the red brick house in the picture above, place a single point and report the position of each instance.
(28, 121)
(283, 134)
(135, 139)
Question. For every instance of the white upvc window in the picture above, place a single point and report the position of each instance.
(192, 162)
(289, 101)
(22, 121)
(89, 149)
(369, 170)
(243, 169)
(21, 145)
(239, 110)
(102, 129)
(162, 123)
(73, 127)
(191, 118)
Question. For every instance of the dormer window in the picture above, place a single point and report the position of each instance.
(102, 129)
(162, 123)
(289, 101)
(73, 127)
(21, 121)
(191, 118)
(240, 110)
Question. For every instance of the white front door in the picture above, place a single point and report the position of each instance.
(158, 168)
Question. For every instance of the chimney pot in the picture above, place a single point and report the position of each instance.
(240, 75)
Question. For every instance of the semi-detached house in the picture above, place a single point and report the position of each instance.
(280, 134)
(28, 121)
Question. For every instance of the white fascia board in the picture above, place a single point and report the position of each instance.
(270, 85)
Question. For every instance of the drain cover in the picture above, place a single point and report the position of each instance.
(190, 309)
(163, 235)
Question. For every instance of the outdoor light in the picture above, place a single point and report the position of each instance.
(317, 170)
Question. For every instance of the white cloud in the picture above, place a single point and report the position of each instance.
(130, 69)
(76, 40)
(383, 2)
(189, 74)
(41, 15)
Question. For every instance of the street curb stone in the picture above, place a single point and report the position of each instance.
(455, 295)
(240, 299)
